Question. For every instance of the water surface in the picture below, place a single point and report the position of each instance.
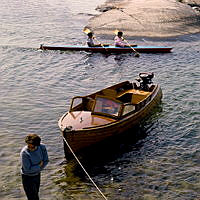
(36, 88)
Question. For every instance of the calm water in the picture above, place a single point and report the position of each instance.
(36, 88)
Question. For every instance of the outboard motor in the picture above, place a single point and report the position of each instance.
(145, 80)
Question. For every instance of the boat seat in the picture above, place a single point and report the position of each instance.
(125, 98)
(110, 93)
(88, 103)
(138, 97)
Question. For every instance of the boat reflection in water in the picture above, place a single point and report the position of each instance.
(108, 112)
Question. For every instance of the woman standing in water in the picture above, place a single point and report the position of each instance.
(34, 159)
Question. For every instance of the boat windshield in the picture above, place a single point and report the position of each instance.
(107, 106)
(76, 103)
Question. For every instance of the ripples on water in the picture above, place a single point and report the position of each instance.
(36, 88)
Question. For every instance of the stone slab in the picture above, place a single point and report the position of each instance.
(142, 18)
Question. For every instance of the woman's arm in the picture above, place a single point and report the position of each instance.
(45, 156)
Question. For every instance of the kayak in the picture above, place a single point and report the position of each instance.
(108, 48)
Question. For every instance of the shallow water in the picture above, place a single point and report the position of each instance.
(36, 88)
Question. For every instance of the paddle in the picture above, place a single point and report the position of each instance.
(136, 53)
(87, 30)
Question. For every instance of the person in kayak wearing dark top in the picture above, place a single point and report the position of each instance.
(34, 159)
(90, 40)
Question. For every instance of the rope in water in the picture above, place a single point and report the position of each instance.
(84, 169)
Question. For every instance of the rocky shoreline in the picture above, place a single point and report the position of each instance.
(152, 18)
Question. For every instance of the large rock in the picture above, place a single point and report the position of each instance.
(152, 18)
(195, 2)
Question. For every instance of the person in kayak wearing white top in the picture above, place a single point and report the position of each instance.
(34, 158)
(119, 41)
(90, 40)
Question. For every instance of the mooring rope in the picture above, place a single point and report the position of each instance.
(84, 168)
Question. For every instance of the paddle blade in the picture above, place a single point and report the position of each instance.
(137, 55)
(116, 32)
(87, 30)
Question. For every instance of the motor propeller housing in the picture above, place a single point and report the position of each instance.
(145, 79)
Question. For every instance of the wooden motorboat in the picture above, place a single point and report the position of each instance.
(108, 112)
(108, 48)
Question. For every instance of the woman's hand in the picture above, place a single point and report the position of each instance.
(41, 163)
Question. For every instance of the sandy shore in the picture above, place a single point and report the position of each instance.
(152, 18)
